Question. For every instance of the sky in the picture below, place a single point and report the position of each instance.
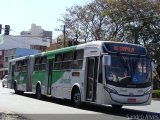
(20, 14)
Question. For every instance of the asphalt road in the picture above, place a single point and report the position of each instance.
(55, 109)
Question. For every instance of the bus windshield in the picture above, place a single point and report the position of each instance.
(128, 70)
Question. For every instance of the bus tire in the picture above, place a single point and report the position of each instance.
(15, 88)
(76, 98)
(117, 107)
(38, 92)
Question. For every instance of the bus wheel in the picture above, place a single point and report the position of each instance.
(116, 107)
(15, 88)
(76, 98)
(38, 92)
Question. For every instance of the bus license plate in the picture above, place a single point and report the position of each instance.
(131, 100)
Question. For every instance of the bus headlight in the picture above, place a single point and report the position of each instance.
(110, 90)
(148, 91)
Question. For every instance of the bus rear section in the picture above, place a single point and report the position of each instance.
(126, 75)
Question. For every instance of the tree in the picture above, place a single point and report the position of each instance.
(88, 22)
(133, 21)
(136, 21)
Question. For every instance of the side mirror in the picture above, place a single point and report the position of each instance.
(106, 60)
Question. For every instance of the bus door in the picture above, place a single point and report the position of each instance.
(30, 72)
(92, 69)
(12, 76)
(50, 69)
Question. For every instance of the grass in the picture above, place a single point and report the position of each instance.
(156, 93)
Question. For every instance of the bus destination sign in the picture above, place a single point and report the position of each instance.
(124, 48)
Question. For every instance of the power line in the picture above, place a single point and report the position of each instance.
(14, 31)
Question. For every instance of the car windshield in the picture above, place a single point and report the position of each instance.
(129, 70)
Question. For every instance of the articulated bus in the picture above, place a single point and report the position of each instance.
(100, 72)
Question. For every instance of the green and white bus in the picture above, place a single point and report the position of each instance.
(100, 72)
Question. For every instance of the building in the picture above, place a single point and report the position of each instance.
(17, 46)
(24, 42)
(2, 69)
(37, 31)
(11, 54)
(16, 52)
(34, 31)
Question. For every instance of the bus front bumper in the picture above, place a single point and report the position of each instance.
(130, 100)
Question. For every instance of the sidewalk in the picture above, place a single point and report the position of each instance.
(9, 116)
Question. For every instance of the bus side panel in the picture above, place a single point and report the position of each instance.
(21, 78)
(38, 76)
(77, 78)
(10, 76)
(64, 81)
(57, 81)
(30, 71)
(66, 84)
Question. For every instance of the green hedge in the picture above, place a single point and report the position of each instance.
(156, 94)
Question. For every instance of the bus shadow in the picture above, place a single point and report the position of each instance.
(130, 114)
(124, 112)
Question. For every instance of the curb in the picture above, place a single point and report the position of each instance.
(156, 99)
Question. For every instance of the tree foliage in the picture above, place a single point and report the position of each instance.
(133, 21)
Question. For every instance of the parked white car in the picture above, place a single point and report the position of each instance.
(4, 81)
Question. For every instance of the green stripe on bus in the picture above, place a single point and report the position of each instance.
(21, 77)
(38, 76)
(62, 50)
(51, 56)
(56, 75)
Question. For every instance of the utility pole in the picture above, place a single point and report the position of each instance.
(64, 33)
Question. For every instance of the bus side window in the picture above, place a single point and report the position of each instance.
(78, 59)
(18, 67)
(42, 65)
(36, 65)
(24, 65)
(67, 60)
(58, 62)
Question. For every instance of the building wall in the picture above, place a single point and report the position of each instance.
(11, 42)
(1, 63)
(16, 52)
(24, 52)
(16, 46)
(8, 55)
(1, 58)
(36, 30)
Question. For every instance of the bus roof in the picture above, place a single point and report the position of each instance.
(97, 44)
(19, 58)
